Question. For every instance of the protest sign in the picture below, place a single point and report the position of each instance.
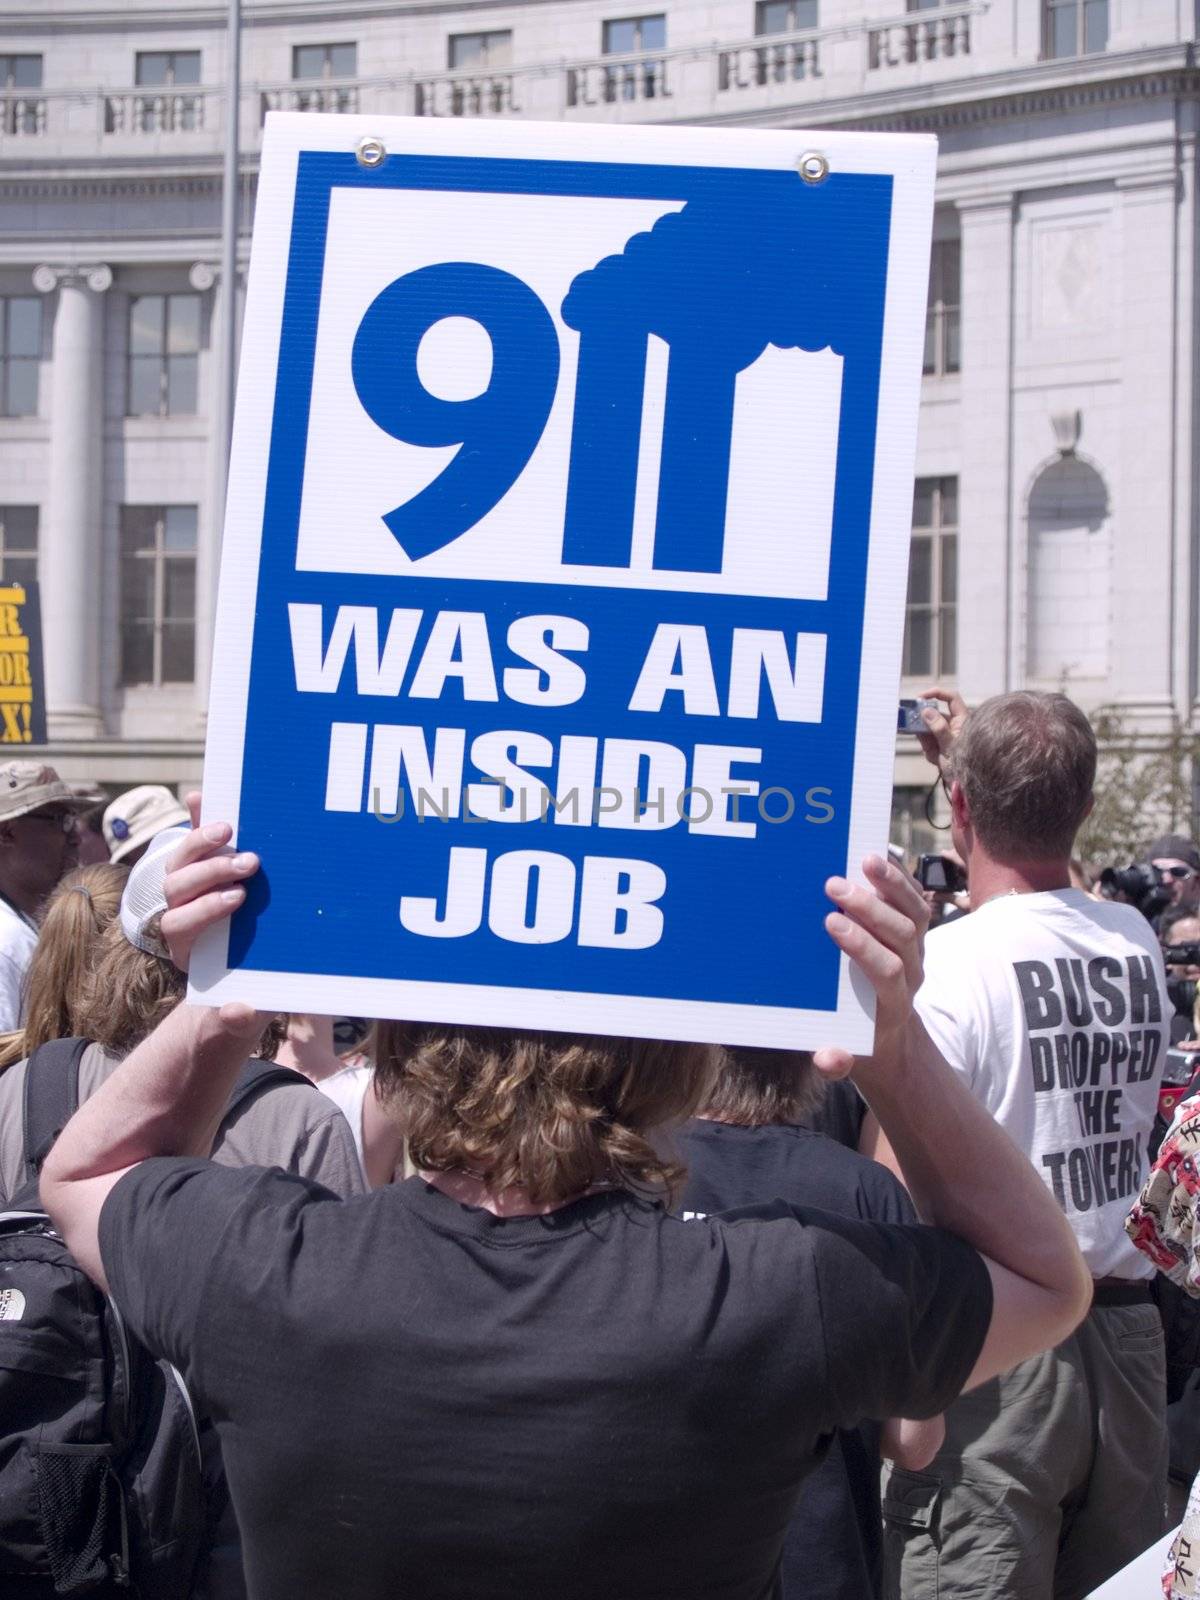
(563, 578)
(22, 690)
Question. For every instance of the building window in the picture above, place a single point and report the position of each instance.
(1069, 573)
(164, 354)
(784, 16)
(22, 110)
(643, 80)
(158, 594)
(482, 52)
(18, 544)
(930, 634)
(163, 110)
(942, 319)
(1075, 27)
(20, 72)
(166, 69)
(20, 354)
(632, 35)
(325, 61)
(324, 65)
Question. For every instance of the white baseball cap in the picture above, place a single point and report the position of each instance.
(142, 898)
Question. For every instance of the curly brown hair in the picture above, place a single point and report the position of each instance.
(555, 1113)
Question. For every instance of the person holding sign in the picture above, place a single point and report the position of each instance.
(516, 1376)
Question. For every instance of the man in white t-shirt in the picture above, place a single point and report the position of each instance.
(1053, 1009)
(39, 841)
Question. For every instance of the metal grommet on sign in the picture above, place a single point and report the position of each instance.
(813, 167)
(370, 151)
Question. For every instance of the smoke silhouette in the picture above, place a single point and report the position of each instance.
(783, 271)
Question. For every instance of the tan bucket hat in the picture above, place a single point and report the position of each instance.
(27, 786)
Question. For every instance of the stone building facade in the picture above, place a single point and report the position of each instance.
(1055, 509)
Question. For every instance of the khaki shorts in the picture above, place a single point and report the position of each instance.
(1051, 1478)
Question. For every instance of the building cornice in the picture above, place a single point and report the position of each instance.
(103, 184)
(1059, 101)
(168, 15)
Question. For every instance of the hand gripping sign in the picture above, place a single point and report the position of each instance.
(563, 576)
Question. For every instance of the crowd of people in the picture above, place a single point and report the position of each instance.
(497, 1315)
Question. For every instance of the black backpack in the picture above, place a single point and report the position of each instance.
(101, 1483)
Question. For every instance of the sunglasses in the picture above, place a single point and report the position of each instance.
(1177, 871)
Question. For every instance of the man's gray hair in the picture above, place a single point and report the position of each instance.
(1026, 763)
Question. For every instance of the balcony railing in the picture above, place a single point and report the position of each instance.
(154, 111)
(927, 36)
(324, 94)
(22, 114)
(616, 79)
(773, 59)
(679, 84)
(466, 94)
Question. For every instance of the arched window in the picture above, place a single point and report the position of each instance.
(1070, 558)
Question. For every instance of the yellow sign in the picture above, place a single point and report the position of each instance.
(16, 679)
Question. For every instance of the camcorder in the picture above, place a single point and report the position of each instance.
(1139, 884)
(1184, 954)
(940, 874)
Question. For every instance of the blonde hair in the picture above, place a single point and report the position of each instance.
(554, 1113)
(81, 907)
(132, 990)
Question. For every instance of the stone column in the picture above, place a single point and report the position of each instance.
(986, 556)
(69, 555)
(1152, 574)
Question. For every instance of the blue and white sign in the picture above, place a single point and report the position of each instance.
(563, 581)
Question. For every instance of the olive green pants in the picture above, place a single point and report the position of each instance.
(1051, 1478)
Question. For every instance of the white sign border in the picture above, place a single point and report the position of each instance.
(286, 135)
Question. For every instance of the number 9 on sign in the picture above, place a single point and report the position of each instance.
(497, 431)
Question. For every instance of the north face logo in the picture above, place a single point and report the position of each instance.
(12, 1305)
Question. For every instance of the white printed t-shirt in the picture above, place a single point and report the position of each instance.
(1053, 1008)
(18, 941)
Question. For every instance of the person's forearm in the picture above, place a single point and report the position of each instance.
(962, 1170)
(165, 1099)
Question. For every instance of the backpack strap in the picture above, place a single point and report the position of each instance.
(51, 1098)
(256, 1076)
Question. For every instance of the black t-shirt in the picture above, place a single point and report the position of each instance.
(840, 1115)
(834, 1546)
(417, 1398)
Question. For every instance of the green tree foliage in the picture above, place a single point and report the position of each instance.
(1144, 787)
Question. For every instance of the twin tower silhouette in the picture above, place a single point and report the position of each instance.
(718, 281)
